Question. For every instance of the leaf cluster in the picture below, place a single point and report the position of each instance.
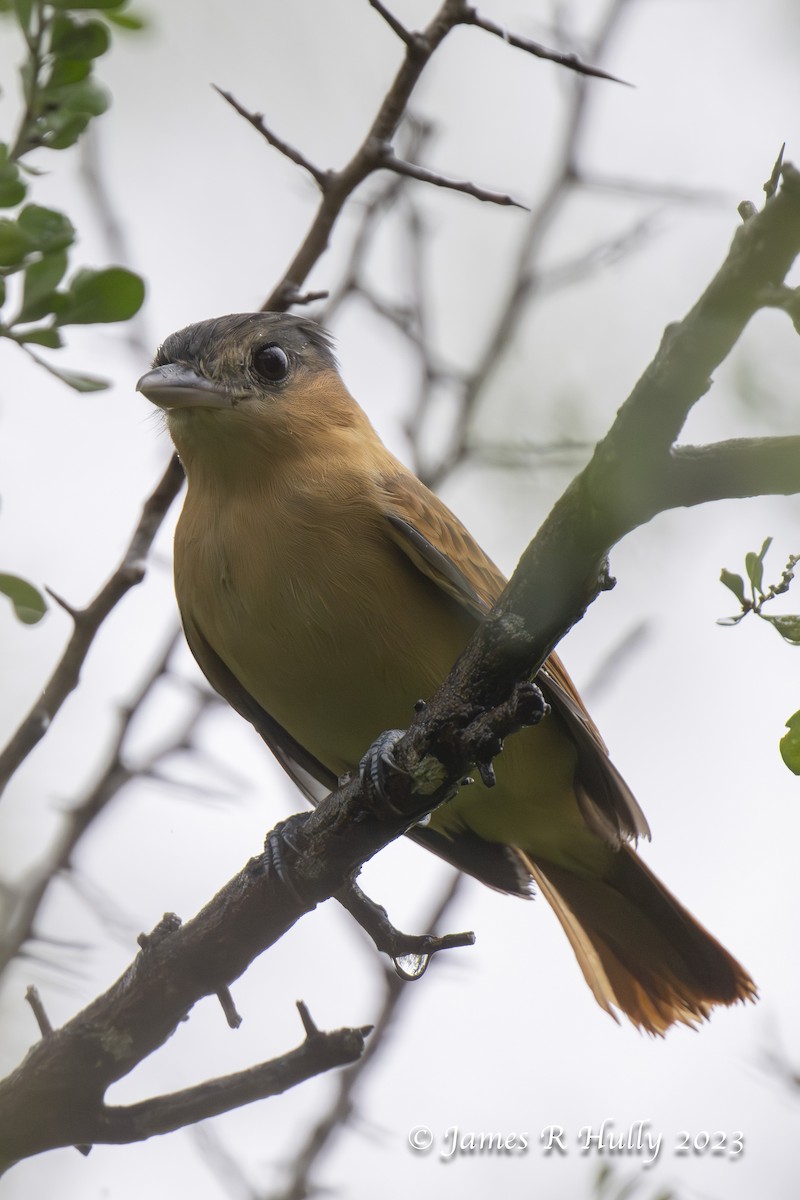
(60, 97)
(752, 596)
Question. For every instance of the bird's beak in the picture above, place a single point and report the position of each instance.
(176, 386)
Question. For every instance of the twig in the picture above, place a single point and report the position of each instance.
(338, 186)
(513, 309)
(115, 775)
(42, 1019)
(404, 34)
(163, 1114)
(374, 920)
(257, 121)
(397, 997)
(88, 620)
(571, 61)
(388, 159)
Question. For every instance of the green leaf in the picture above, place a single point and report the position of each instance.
(41, 280)
(44, 336)
(754, 565)
(126, 21)
(12, 192)
(787, 626)
(29, 604)
(67, 71)
(86, 98)
(47, 229)
(790, 744)
(12, 188)
(113, 294)
(65, 129)
(79, 383)
(14, 243)
(731, 620)
(735, 583)
(78, 39)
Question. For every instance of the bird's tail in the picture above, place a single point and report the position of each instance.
(639, 949)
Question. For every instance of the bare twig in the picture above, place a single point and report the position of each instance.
(513, 309)
(39, 1012)
(404, 34)
(388, 159)
(319, 1052)
(26, 900)
(374, 920)
(397, 998)
(257, 121)
(571, 61)
(88, 620)
(338, 186)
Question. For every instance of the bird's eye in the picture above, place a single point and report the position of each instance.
(271, 363)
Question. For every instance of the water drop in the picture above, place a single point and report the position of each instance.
(411, 966)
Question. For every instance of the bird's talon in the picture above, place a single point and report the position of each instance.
(486, 772)
(378, 763)
(277, 841)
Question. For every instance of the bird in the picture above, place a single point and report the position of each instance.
(324, 589)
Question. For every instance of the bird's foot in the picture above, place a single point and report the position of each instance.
(378, 765)
(279, 846)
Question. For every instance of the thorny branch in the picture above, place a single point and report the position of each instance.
(375, 152)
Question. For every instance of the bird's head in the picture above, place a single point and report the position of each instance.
(247, 383)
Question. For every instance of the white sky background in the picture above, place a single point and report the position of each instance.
(504, 1037)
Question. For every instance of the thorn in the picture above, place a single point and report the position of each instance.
(306, 1018)
(72, 612)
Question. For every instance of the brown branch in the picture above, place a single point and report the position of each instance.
(319, 1052)
(404, 34)
(387, 158)
(571, 61)
(741, 467)
(375, 922)
(88, 621)
(636, 470)
(55, 1097)
(513, 309)
(27, 897)
(338, 186)
(257, 121)
(341, 184)
(397, 995)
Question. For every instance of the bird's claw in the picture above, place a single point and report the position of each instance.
(378, 763)
(276, 843)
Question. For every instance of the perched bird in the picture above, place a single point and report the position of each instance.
(323, 590)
